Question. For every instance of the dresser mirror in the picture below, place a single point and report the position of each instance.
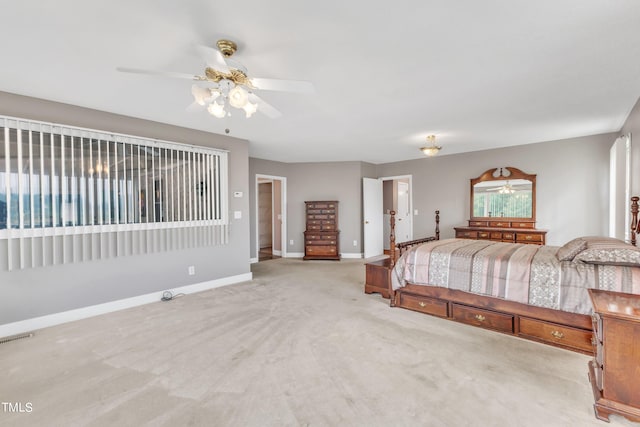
(503, 193)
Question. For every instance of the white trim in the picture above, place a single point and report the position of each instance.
(293, 255)
(411, 215)
(253, 260)
(28, 325)
(351, 255)
(276, 253)
(283, 211)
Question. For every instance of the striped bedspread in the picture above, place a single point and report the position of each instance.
(529, 274)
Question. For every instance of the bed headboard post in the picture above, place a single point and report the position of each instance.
(437, 225)
(634, 219)
(392, 238)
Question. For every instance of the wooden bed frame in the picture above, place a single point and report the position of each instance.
(558, 328)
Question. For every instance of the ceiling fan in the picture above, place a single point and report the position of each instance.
(226, 83)
(503, 189)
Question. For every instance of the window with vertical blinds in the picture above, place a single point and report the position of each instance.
(66, 180)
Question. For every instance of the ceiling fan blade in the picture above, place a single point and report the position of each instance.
(213, 58)
(158, 73)
(264, 107)
(296, 86)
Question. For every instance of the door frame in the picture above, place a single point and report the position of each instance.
(283, 210)
(410, 179)
(411, 211)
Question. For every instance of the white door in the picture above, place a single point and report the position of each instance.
(372, 210)
(403, 213)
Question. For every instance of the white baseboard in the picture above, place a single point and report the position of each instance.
(295, 255)
(351, 255)
(253, 260)
(29, 325)
(343, 255)
(276, 253)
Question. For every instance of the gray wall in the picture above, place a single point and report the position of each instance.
(632, 126)
(339, 181)
(572, 188)
(572, 185)
(40, 291)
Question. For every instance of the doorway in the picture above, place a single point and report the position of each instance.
(270, 217)
(392, 193)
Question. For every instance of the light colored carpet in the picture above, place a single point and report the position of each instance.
(300, 345)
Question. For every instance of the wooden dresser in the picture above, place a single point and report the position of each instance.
(614, 372)
(503, 208)
(513, 231)
(322, 237)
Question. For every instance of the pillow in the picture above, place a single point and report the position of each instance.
(571, 249)
(609, 251)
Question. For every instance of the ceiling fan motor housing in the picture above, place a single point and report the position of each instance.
(227, 47)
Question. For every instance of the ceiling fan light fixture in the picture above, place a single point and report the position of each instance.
(250, 108)
(506, 189)
(216, 110)
(431, 150)
(238, 97)
(200, 94)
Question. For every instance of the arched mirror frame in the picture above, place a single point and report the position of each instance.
(498, 174)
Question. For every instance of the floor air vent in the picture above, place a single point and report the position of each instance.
(15, 337)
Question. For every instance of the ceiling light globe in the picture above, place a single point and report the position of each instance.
(430, 151)
(238, 97)
(216, 110)
(250, 108)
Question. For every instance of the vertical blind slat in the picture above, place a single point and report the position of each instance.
(55, 178)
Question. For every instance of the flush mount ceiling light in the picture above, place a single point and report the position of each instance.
(433, 149)
(225, 83)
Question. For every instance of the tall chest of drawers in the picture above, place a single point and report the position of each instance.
(614, 372)
(322, 236)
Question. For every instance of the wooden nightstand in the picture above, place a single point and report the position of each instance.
(378, 277)
(614, 372)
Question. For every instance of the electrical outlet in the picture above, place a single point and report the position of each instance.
(355, 243)
(291, 242)
(191, 270)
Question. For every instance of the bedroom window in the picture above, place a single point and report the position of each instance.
(58, 180)
(619, 187)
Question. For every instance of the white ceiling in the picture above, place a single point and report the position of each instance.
(478, 74)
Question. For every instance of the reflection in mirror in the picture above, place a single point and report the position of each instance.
(503, 193)
(504, 198)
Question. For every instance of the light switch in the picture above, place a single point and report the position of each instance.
(237, 214)
(237, 194)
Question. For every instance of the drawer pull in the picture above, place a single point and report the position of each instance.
(523, 224)
(557, 334)
(528, 237)
(480, 317)
(421, 304)
(499, 224)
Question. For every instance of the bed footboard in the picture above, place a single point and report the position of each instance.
(402, 247)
